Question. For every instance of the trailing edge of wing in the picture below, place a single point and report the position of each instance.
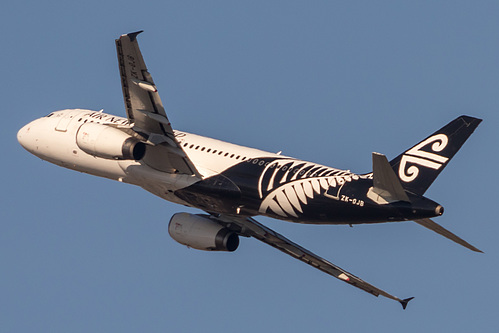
(427, 223)
(145, 110)
(247, 226)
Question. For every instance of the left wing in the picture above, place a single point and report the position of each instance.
(247, 226)
(145, 110)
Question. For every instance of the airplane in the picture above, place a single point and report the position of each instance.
(232, 184)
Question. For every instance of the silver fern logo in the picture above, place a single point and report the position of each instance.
(417, 156)
(286, 185)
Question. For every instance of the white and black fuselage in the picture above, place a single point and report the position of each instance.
(235, 179)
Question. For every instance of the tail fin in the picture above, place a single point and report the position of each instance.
(419, 166)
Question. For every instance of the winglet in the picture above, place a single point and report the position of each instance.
(405, 301)
(133, 35)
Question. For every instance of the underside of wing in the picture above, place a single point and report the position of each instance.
(145, 110)
(248, 227)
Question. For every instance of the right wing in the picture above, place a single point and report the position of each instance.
(145, 111)
(247, 226)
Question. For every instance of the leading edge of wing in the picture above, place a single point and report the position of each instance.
(247, 226)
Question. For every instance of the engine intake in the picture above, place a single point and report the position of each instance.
(202, 233)
(109, 142)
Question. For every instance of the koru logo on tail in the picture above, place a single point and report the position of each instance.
(423, 158)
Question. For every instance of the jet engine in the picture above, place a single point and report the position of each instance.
(109, 142)
(202, 233)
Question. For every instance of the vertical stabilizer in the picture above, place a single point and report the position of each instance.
(418, 167)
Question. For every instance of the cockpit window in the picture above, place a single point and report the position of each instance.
(49, 115)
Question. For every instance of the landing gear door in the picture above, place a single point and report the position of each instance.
(62, 125)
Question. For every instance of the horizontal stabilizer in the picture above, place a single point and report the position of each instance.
(386, 184)
(427, 223)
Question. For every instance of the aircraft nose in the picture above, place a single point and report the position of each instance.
(25, 138)
(21, 135)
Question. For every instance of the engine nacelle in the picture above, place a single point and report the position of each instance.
(202, 233)
(109, 142)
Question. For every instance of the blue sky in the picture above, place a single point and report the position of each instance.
(325, 81)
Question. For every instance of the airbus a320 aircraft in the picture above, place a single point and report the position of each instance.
(231, 183)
